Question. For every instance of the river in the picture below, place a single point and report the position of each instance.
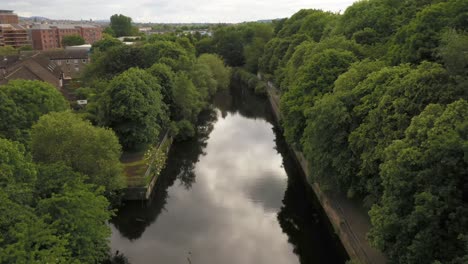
(231, 195)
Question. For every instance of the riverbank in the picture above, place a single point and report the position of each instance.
(350, 222)
(140, 173)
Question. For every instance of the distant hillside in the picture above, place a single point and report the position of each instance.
(35, 18)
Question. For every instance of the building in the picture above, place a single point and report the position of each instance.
(49, 36)
(13, 35)
(31, 67)
(8, 17)
(71, 62)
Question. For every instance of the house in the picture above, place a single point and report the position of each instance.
(71, 62)
(30, 67)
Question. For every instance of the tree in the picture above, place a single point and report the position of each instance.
(26, 238)
(92, 151)
(106, 43)
(80, 215)
(204, 81)
(390, 108)
(419, 39)
(454, 52)
(314, 79)
(23, 102)
(72, 40)
(229, 45)
(221, 73)
(7, 50)
(165, 76)
(132, 106)
(17, 173)
(423, 216)
(121, 25)
(186, 97)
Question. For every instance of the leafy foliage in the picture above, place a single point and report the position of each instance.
(121, 25)
(423, 214)
(51, 218)
(133, 107)
(23, 102)
(66, 138)
(72, 40)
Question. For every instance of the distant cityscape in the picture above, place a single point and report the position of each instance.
(40, 33)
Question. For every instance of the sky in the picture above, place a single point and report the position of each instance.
(170, 11)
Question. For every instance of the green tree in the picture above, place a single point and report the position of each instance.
(454, 52)
(390, 108)
(132, 106)
(418, 40)
(72, 40)
(92, 151)
(23, 102)
(423, 217)
(314, 79)
(221, 73)
(204, 81)
(121, 25)
(229, 44)
(7, 50)
(17, 173)
(80, 215)
(26, 238)
(106, 43)
(204, 45)
(165, 76)
(186, 97)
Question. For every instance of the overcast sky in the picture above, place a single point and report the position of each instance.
(170, 10)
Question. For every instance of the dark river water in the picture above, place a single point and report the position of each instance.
(232, 195)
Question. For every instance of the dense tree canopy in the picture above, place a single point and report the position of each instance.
(72, 40)
(23, 102)
(64, 137)
(376, 100)
(48, 214)
(133, 108)
(121, 25)
(423, 214)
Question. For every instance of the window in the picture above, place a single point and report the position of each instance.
(68, 61)
(77, 68)
(83, 60)
(59, 62)
(75, 61)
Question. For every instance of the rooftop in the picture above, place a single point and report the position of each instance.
(62, 26)
(14, 26)
(66, 54)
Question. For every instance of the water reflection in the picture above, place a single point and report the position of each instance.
(228, 197)
(134, 217)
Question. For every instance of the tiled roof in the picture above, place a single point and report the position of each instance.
(62, 26)
(36, 67)
(67, 54)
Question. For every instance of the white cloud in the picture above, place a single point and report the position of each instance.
(171, 10)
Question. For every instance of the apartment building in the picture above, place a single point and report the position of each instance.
(11, 33)
(8, 17)
(49, 36)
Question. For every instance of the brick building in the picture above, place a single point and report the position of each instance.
(11, 33)
(8, 17)
(49, 36)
